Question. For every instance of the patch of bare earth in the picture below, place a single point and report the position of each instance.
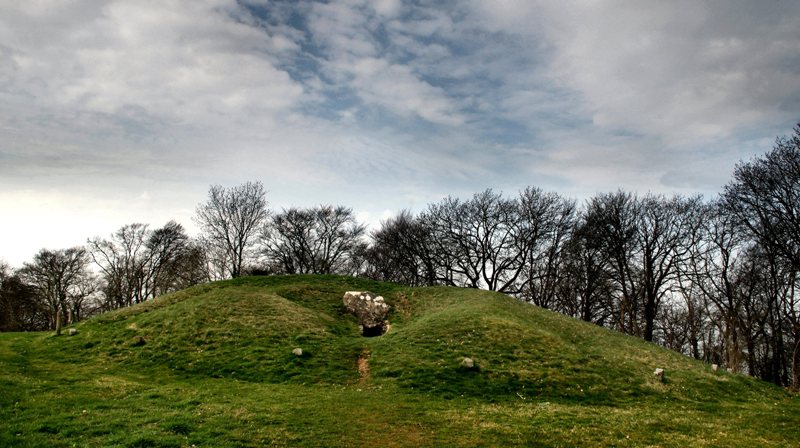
(363, 366)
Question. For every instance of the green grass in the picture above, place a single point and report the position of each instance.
(212, 366)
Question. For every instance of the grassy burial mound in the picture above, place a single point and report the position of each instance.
(219, 365)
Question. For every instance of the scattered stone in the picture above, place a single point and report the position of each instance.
(467, 363)
(659, 374)
(714, 367)
(138, 341)
(297, 351)
(371, 311)
(72, 331)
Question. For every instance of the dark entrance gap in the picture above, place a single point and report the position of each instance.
(371, 332)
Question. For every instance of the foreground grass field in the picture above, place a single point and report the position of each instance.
(213, 366)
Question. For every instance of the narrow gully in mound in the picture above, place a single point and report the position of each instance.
(363, 365)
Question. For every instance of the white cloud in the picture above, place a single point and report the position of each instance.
(387, 8)
(377, 105)
(685, 72)
(356, 60)
(99, 93)
(183, 61)
(646, 96)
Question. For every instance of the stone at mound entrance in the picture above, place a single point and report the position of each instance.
(297, 351)
(370, 309)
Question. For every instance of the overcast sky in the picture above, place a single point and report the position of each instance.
(114, 112)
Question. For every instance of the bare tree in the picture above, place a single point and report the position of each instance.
(401, 252)
(546, 221)
(454, 260)
(61, 280)
(665, 233)
(645, 241)
(288, 241)
(674, 326)
(339, 235)
(765, 197)
(768, 314)
(715, 268)
(138, 264)
(320, 240)
(695, 313)
(20, 309)
(231, 219)
(124, 265)
(586, 291)
(214, 259)
(188, 268)
(479, 243)
(492, 224)
(171, 263)
(611, 220)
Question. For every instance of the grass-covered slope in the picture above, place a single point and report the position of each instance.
(213, 366)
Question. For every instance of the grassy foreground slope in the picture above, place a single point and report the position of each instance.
(213, 366)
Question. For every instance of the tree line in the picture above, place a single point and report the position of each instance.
(713, 279)
(239, 236)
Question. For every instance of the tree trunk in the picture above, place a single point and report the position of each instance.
(732, 349)
(796, 365)
(58, 322)
(649, 317)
